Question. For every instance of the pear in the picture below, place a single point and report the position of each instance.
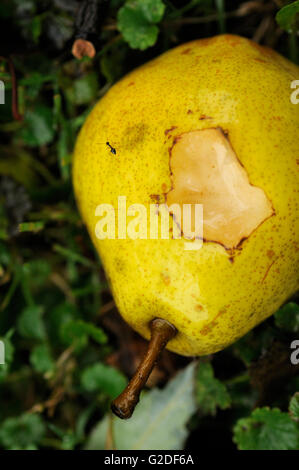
(209, 124)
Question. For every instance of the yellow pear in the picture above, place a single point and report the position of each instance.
(209, 123)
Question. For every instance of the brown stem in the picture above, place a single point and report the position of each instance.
(15, 102)
(161, 332)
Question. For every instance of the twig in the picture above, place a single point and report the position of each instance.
(15, 106)
(262, 29)
(61, 283)
(107, 307)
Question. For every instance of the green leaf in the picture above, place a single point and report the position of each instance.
(103, 378)
(159, 421)
(72, 334)
(57, 317)
(34, 82)
(97, 334)
(287, 317)
(266, 429)
(31, 226)
(287, 15)
(135, 30)
(41, 359)
(77, 332)
(39, 128)
(68, 438)
(294, 407)
(36, 28)
(37, 270)
(153, 10)
(22, 432)
(135, 20)
(210, 392)
(30, 323)
(85, 89)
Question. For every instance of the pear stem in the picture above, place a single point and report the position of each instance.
(161, 332)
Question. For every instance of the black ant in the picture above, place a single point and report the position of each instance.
(112, 149)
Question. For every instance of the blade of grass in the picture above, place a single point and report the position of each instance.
(73, 256)
(31, 226)
(12, 288)
(220, 5)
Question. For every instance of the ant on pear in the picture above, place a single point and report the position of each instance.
(112, 149)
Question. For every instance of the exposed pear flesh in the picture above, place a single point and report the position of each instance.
(205, 170)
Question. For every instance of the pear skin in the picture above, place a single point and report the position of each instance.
(154, 118)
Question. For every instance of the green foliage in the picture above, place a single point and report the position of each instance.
(22, 433)
(41, 359)
(267, 429)
(83, 90)
(38, 129)
(210, 392)
(294, 407)
(137, 20)
(287, 317)
(287, 16)
(30, 323)
(100, 377)
(56, 381)
(31, 226)
(249, 347)
(38, 271)
(77, 332)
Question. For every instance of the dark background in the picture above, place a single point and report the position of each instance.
(57, 316)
